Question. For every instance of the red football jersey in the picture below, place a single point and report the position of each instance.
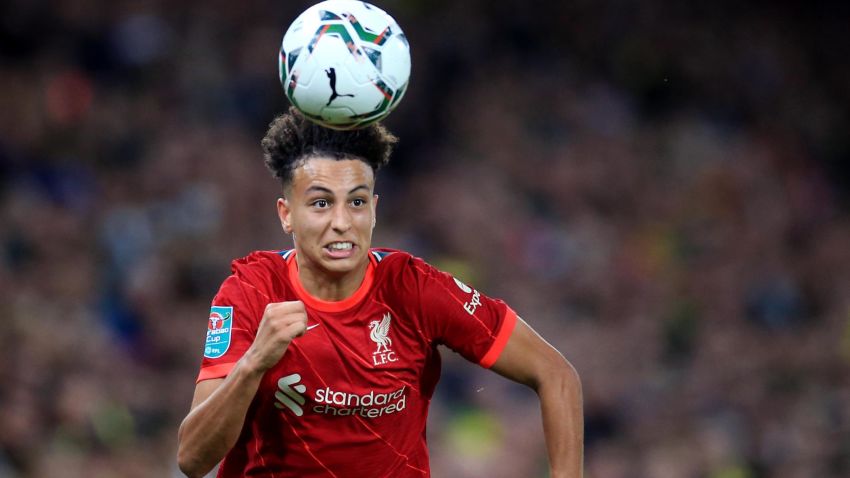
(349, 398)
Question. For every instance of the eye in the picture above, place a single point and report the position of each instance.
(358, 202)
(320, 203)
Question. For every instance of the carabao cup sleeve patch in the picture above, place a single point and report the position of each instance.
(218, 331)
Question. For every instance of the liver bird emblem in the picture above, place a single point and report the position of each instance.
(379, 331)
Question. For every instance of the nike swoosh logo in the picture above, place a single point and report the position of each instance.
(313, 326)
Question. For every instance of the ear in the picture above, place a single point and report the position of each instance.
(374, 210)
(285, 215)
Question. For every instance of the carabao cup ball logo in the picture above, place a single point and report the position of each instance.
(216, 321)
(344, 64)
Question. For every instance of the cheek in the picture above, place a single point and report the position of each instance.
(366, 222)
(305, 225)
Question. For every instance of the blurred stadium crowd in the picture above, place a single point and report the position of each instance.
(660, 189)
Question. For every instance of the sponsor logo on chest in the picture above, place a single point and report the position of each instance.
(345, 399)
(292, 394)
(379, 333)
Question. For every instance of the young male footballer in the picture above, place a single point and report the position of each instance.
(320, 361)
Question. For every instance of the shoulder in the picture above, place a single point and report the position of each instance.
(259, 265)
(259, 260)
(253, 281)
(400, 269)
(395, 261)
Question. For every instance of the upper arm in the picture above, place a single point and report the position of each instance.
(458, 316)
(528, 359)
(204, 389)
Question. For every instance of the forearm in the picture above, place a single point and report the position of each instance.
(213, 426)
(563, 422)
(530, 360)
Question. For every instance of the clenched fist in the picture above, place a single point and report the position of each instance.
(281, 322)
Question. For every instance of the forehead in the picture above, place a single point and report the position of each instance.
(329, 173)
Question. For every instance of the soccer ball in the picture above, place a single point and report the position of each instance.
(344, 63)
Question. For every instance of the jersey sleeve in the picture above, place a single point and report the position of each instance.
(465, 320)
(234, 317)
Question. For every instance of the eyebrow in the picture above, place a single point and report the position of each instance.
(323, 189)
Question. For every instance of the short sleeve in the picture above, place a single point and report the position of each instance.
(462, 318)
(234, 317)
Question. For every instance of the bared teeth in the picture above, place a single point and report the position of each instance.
(340, 246)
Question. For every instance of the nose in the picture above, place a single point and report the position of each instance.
(341, 219)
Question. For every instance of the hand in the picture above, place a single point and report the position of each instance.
(281, 323)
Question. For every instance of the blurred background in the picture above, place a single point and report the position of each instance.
(660, 189)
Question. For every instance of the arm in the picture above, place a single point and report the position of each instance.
(213, 425)
(530, 360)
(219, 406)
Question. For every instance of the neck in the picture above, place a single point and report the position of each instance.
(330, 286)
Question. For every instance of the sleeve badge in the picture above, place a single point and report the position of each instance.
(218, 331)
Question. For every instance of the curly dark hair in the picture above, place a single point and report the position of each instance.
(292, 139)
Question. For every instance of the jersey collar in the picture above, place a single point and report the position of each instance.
(326, 305)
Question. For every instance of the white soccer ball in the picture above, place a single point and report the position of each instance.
(344, 64)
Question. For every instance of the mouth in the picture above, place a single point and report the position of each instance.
(340, 249)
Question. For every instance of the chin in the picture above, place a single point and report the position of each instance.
(342, 266)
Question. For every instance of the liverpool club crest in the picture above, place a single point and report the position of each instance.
(379, 333)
